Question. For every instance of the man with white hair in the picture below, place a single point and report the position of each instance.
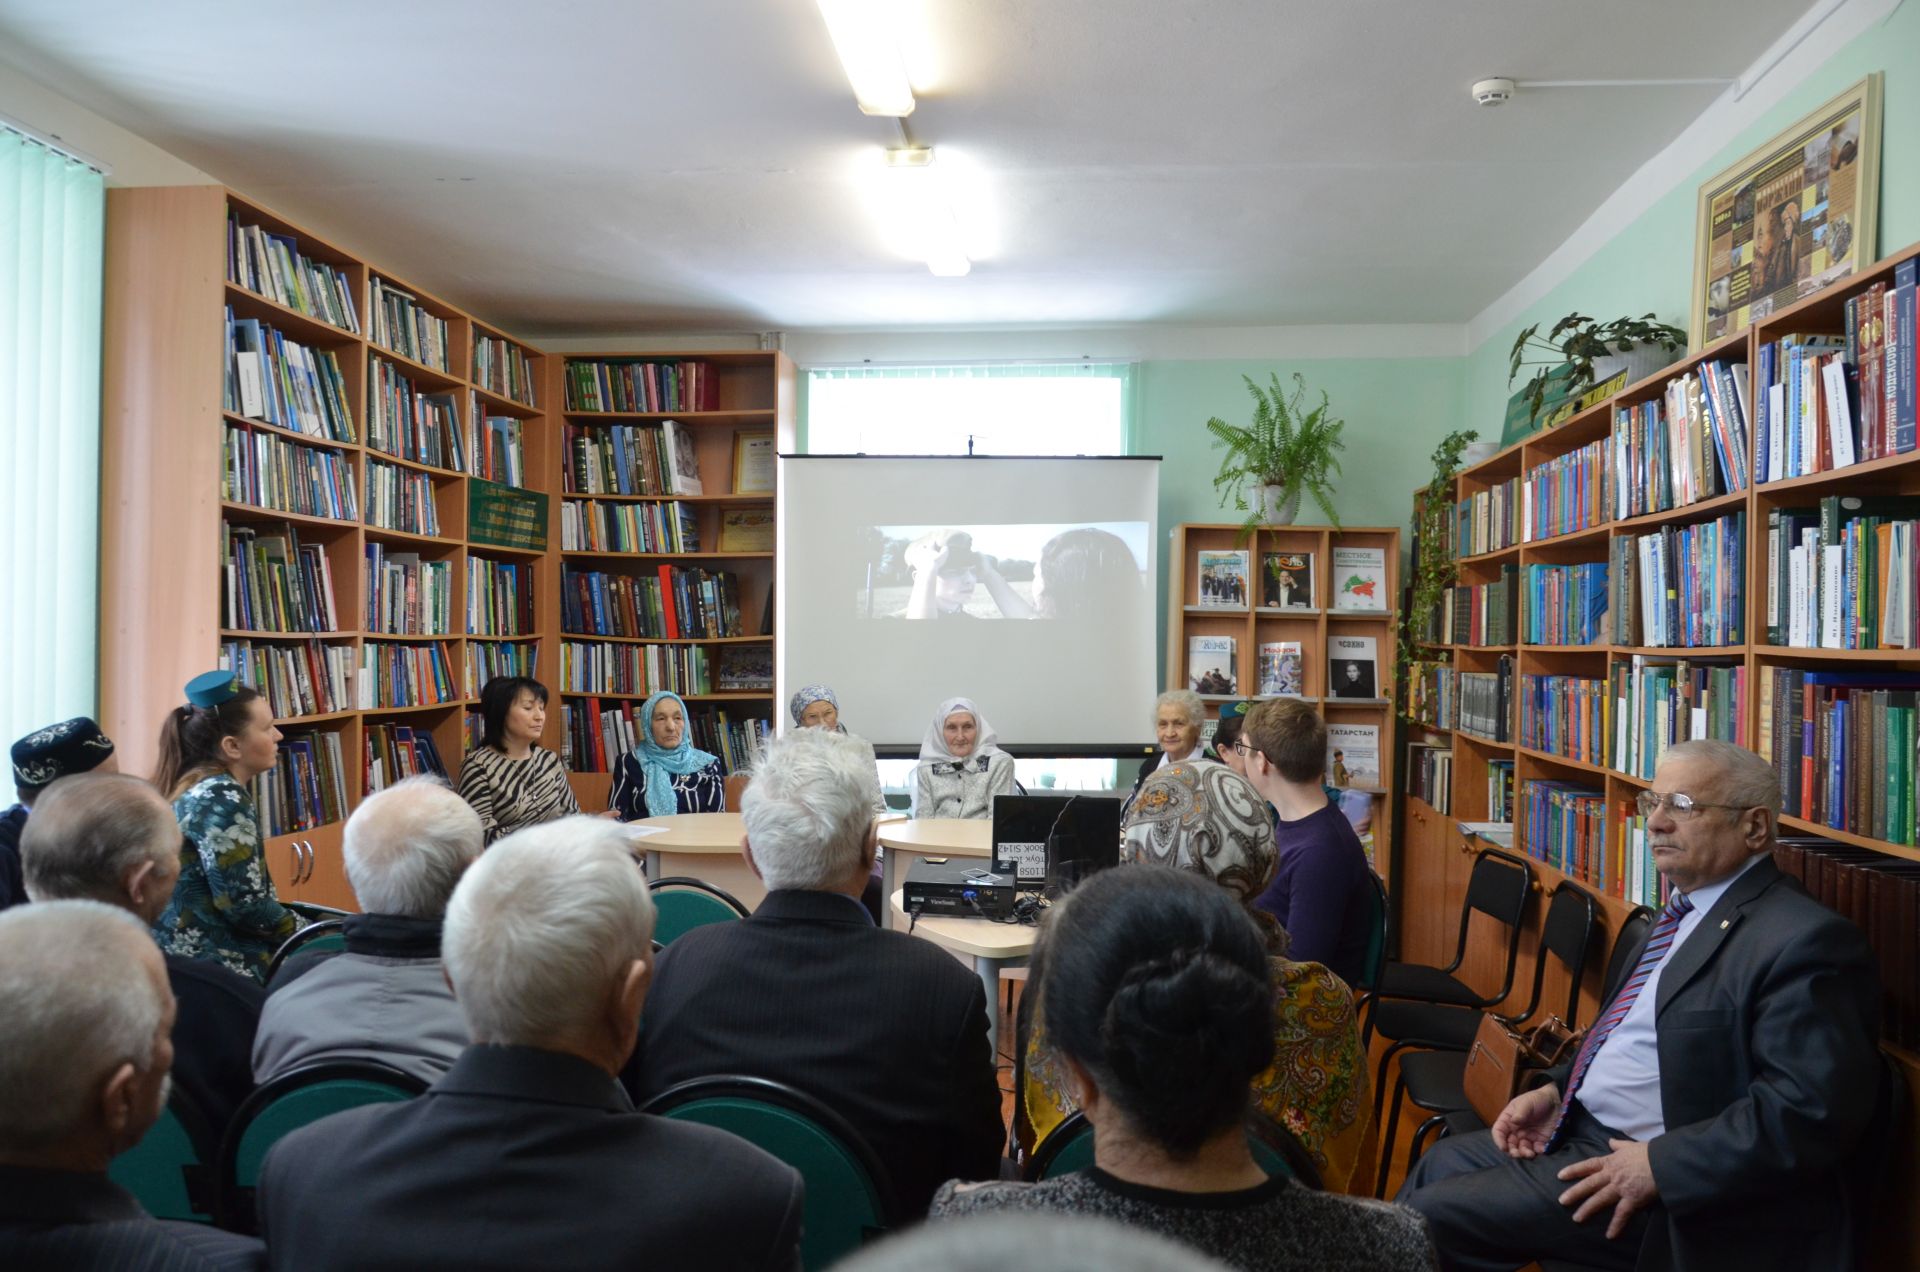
(85, 1025)
(385, 998)
(527, 1153)
(110, 837)
(887, 1030)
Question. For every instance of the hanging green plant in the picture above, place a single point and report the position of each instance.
(1286, 452)
(1435, 569)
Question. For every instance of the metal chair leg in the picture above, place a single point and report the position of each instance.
(1437, 1122)
(1386, 1138)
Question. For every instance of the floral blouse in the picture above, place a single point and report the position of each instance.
(1316, 1086)
(702, 791)
(224, 907)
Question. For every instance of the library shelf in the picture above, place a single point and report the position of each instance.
(486, 550)
(244, 633)
(254, 512)
(1273, 611)
(1336, 701)
(500, 404)
(327, 717)
(1219, 609)
(1494, 557)
(678, 417)
(1804, 827)
(1527, 647)
(589, 553)
(1685, 512)
(414, 708)
(289, 434)
(1843, 476)
(1570, 538)
(1480, 739)
(1565, 761)
(1682, 651)
(303, 328)
(424, 375)
(1904, 657)
(386, 533)
(432, 470)
(762, 497)
(758, 695)
(1630, 779)
(673, 640)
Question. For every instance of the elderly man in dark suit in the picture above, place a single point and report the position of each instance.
(527, 1154)
(886, 1029)
(85, 1019)
(1706, 1121)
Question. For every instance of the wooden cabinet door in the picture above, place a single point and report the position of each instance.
(287, 865)
(1425, 927)
(326, 881)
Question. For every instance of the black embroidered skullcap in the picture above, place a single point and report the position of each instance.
(59, 750)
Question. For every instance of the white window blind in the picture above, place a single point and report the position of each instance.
(1072, 408)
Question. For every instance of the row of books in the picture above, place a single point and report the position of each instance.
(1881, 896)
(406, 675)
(641, 386)
(401, 499)
(1565, 716)
(1353, 670)
(591, 526)
(1657, 702)
(408, 596)
(1565, 494)
(490, 659)
(401, 325)
(1681, 586)
(404, 422)
(499, 597)
(1488, 520)
(1843, 747)
(1500, 791)
(675, 603)
(1685, 446)
(1565, 826)
(1431, 694)
(393, 752)
(1842, 575)
(632, 459)
(1430, 775)
(275, 583)
(306, 788)
(283, 382)
(272, 265)
(1486, 702)
(1483, 613)
(270, 471)
(634, 670)
(497, 450)
(596, 732)
(1631, 875)
(503, 367)
(1566, 604)
(299, 679)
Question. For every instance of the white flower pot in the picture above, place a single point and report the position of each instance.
(1274, 511)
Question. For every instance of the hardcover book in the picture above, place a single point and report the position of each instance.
(1351, 667)
(1286, 580)
(1360, 579)
(1223, 580)
(1211, 665)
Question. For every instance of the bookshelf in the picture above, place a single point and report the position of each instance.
(366, 442)
(633, 538)
(1314, 619)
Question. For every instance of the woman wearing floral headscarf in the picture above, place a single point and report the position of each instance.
(961, 765)
(816, 707)
(667, 773)
(1207, 819)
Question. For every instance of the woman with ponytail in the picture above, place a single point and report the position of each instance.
(224, 907)
(1157, 987)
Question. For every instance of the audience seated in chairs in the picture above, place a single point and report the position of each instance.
(887, 1030)
(1158, 994)
(85, 1040)
(527, 1154)
(385, 997)
(109, 837)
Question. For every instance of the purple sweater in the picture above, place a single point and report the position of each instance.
(1319, 891)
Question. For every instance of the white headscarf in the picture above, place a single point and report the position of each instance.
(934, 745)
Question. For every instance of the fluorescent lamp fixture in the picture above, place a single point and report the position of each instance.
(926, 206)
(863, 36)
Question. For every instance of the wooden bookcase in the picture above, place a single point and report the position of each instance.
(1312, 628)
(755, 394)
(163, 427)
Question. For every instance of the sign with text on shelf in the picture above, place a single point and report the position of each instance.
(506, 516)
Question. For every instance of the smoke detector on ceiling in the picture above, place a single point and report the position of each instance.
(1493, 92)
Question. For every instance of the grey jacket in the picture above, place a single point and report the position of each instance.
(961, 788)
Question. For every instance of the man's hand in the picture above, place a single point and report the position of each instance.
(1525, 1125)
(1622, 1179)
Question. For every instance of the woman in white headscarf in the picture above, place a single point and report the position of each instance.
(961, 766)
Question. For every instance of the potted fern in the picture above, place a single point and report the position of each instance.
(1285, 453)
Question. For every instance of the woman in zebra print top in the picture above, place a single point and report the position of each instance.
(510, 780)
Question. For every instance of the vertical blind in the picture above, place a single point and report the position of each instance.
(1070, 408)
(52, 223)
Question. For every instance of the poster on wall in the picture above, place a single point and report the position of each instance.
(1791, 217)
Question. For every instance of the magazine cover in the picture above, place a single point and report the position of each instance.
(1351, 669)
(1286, 580)
(1353, 755)
(1360, 579)
(1223, 580)
(1210, 665)
(1279, 668)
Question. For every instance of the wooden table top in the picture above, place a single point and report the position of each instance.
(976, 938)
(692, 832)
(956, 836)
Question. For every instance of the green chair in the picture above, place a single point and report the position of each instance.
(170, 1170)
(1277, 1151)
(1376, 935)
(328, 935)
(849, 1194)
(288, 1103)
(682, 904)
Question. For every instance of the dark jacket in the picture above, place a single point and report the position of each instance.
(213, 1035)
(884, 1028)
(62, 1221)
(522, 1158)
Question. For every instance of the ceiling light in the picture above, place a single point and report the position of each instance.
(863, 36)
(922, 202)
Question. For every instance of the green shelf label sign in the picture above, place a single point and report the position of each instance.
(505, 516)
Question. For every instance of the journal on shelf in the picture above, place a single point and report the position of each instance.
(1280, 668)
(1213, 664)
(1222, 579)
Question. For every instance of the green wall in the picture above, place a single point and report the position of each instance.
(1649, 265)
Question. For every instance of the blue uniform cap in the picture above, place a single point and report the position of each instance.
(211, 688)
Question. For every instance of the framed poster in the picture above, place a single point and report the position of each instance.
(1793, 216)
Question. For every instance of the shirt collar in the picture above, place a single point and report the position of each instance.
(1703, 897)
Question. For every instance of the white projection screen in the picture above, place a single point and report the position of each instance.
(1026, 584)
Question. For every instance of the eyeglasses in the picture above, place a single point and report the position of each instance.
(1683, 807)
(1240, 747)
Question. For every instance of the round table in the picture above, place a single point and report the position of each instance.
(990, 945)
(705, 846)
(929, 837)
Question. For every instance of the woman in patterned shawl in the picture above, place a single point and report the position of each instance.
(224, 907)
(1207, 819)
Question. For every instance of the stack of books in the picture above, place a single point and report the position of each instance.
(1843, 745)
(598, 732)
(1567, 604)
(305, 788)
(1430, 775)
(630, 459)
(1843, 575)
(401, 499)
(391, 752)
(1566, 827)
(490, 659)
(1488, 520)
(408, 424)
(1657, 702)
(1565, 716)
(1565, 494)
(1486, 702)
(1487, 613)
(1881, 896)
(1681, 585)
(497, 450)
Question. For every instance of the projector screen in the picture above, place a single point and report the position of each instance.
(1026, 584)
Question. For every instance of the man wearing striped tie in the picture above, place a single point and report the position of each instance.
(1705, 1121)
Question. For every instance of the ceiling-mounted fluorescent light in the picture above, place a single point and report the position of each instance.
(863, 36)
(934, 226)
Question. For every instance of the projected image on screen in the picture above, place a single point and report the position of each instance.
(1088, 572)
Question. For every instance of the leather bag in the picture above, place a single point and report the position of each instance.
(1501, 1060)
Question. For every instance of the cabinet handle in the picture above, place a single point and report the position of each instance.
(306, 849)
(293, 847)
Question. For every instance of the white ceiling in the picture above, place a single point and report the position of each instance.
(594, 166)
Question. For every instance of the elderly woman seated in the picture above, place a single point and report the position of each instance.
(1158, 988)
(961, 765)
(1179, 715)
(1206, 820)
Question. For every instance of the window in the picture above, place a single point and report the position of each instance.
(1071, 408)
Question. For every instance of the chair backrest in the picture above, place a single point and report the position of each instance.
(329, 934)
(288, 1103)
(1565, 934)
(682, 904)
(1277, 1150)
(170, 1171)
(1626, 948)
(736, 786)
(1498, 888)
(849, 1194)
(1376, 956)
